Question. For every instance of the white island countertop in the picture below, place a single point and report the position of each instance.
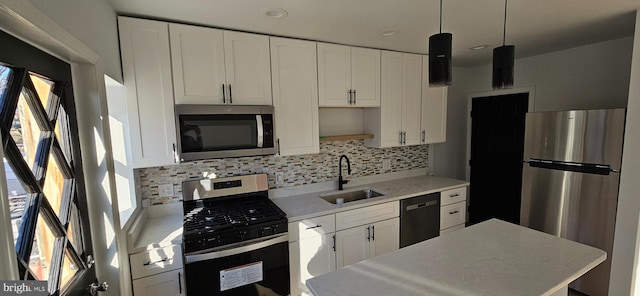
(489, 258)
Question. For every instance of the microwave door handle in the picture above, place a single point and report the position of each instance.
(260, 130)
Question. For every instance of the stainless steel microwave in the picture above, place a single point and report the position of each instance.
(217, 131)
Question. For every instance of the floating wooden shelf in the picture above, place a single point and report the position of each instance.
(345, 137)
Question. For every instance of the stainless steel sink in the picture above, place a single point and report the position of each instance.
(351, 195)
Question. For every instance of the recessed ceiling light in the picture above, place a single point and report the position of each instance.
(275, 12)
(388, 33)
(479, 47)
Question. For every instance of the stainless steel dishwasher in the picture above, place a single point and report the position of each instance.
(419, 218)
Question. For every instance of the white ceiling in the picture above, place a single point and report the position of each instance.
(533, 26)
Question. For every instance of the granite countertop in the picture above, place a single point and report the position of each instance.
(490, 258)
(309, 205)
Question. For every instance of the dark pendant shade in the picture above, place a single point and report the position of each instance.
(440, 59)
(503, 60)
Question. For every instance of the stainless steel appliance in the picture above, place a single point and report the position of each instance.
(235, 239)
(419, 218)
(216, 131)
(570, 181)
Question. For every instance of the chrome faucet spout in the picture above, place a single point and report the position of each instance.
(340, 180)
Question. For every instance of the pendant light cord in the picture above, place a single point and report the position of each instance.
(441, 16)
(504, 28)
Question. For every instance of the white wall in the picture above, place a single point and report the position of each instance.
(587, 77)
(92, 22)
(624, 270)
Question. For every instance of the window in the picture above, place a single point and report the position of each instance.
(44, 176)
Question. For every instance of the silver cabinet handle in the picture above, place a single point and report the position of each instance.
(312, 227)
(373, 232)
(400, 138)
(224, 96)
(368, 233)
(179, 283)
(230, 95)
(404, 138)
(454, 212)
(424, 136)
(175, 154)
(154, 262)
(355, 97)
(350, 97)
(454, 195)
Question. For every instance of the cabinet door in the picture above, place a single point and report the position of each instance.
(365, 76)
(411, 97)
(146, 67)
(248, 68)
(295, 95)
(434, 109)
(197, 56)
(352, 246)
(169, 283)
(334, 74)
(390, 107)
(317, 256)
(385, 237)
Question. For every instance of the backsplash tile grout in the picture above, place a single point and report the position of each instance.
(297, 170)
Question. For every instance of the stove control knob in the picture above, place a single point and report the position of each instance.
(242, 234)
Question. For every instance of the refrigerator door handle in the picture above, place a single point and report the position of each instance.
(599, 169)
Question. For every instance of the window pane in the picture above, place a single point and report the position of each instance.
(4, 79)
(17, 196)
(42, 250)
(25, 131)
(43, 87)
(74, 227)
(53, 184)
(68, 269)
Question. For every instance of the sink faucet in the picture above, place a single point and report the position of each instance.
(340, 181)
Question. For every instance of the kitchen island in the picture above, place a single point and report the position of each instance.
(489, 258)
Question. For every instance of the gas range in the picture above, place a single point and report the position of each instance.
(232, 219)
(224, 211)
(235, 238)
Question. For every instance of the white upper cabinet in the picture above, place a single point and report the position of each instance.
(146, 66)
(434, 109)
(212, 66)
(348, 76)
(295, 96)
(397, 121)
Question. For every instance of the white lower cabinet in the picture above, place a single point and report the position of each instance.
(363, 242)
(316, 248)
(158, 272)
(311, 250)
(170, 283)
(453, 210)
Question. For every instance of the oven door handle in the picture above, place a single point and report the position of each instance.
(237, 250)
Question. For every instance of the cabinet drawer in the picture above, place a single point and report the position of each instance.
(316, 226)
(453, 214)
(155, 261)
(366, 215)
(453, 196)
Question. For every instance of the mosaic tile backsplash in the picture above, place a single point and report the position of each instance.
(297, 170)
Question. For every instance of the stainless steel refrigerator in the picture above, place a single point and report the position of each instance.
(570, 181)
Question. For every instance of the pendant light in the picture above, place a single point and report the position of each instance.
(503, 60)
(440, 57)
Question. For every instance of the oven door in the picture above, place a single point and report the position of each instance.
(256, 268)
